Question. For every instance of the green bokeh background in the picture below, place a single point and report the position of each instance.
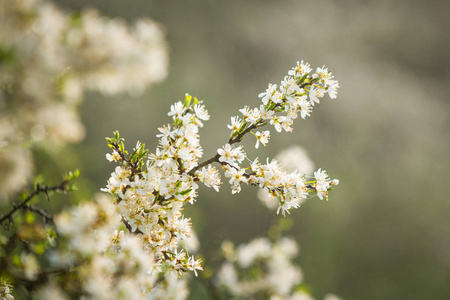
(385, 233)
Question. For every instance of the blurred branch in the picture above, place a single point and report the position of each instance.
(40, 211)
(39, 189)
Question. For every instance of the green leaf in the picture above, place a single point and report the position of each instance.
(6, 54)
(40, 248)
(38, 178)
(187, 100)
(178, 184)
(75, 19)
(185, 192)
(242, 128)
(29, 217)
(133, 157)
(72, 187)
(16, 260)
(72, 175)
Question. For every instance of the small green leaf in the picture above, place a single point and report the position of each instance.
(29, 217)
(187, 100)
(16, 260)
(40, 249)
(185, 192)
(178, 184)
(72, 187)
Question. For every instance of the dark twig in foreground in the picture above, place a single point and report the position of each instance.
(39, 189)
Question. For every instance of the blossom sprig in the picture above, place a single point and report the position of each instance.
(151, 189)
(296, 94)
(66, 185)
(134, 162)
(281, 105)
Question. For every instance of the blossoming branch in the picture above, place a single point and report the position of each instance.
(150, 189)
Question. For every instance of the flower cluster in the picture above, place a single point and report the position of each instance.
(106, 262)
(281, 105)
(262, 269)
(292, 159)
(49, 59)
(150, 189)
(5, 290)
(151, 200)
(139, 245)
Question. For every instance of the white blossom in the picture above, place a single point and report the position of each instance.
(262, 137)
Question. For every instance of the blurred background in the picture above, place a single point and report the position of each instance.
(385, 233)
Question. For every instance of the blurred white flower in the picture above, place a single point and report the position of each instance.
(261, 268)
(16, 168)
(51, 59)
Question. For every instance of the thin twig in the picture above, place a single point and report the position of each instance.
(128, 226)
(40, 211)
(231, 141)
(39, 189)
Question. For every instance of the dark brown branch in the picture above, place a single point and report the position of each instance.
(215, 158)
(42, 212)
(231, 141)
(39, 189)
(134, 168)
(130, 229)
(311, 82)
(240, 136)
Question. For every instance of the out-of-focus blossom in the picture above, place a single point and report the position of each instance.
(49, 59)
(106, 262)
(261, 268)
(5, 290)
(16, 168)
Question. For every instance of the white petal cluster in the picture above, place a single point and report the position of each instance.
(290, 189)
(281, 105)
(5, 290)
(210, 177)
(150, 190)
(294, 158)
(262, 137)
(113, 264)
(50, 58)
(260, 268)
(323, 183)
(231, 155)
(151, 202)
(295, 95)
